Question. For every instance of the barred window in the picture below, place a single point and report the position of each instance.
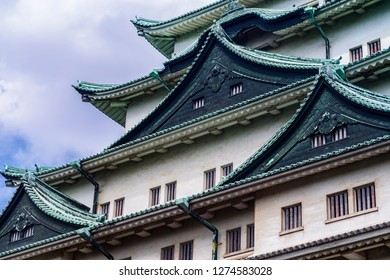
(186, 250)
(318, 140)
(155, 196)
(374, 46)
(364, 197)
(170, 191)
(24, 233)
(356, 53)
(198, 103)
(226, 169)
(233, 240)
(236, 89)
(118, 207)
(250, 236)
(167, 253)
(292, 217)
(339, 133)
(338, 204)
(104, 208)
(209, 179)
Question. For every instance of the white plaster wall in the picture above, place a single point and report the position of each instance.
(347, 32)
(149, 248)
(184, 42)
(140, 107)
(186, 164)
(312, 193)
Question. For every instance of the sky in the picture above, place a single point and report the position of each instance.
(45, 47)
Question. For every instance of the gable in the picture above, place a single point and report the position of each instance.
(220, 67)
(328, 123)
(25, 224)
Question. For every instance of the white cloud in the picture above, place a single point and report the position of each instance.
(45, 48)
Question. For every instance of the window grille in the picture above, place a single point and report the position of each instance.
(250, 236)
(292, 217)
(226, 169)
(19, 235)
(236, 89)
(118, 211)
(170, 191)
(155, 196)
(233, 240)
(198, 103)
(104, 208)
(374, 47)
(318, 140)
(186, 250)
(339, 133)
(167, 253)
(364, 197)
(338, 205)
(209, 177)
(356, 53)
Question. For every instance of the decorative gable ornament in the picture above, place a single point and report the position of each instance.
(329, 122)
(216, 78)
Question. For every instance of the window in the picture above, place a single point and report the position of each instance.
(104, 208)
(235, 89)
(155, 196)
(170, 191)
(167, 253)
(374, 46)
(364, 197)
(250, 236)
(186, 250)
(292, 217)
(356, 53)
(338, 205)
(339, 133)
(318, 140)
(198, 103)
(24, 233)
(226, 169)
(118, 207)
(209, 179)
(233, 240)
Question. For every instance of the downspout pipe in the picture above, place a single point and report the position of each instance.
(85, 233)
(77, 165)
(184, 205)
(154, 74)
(310, 11)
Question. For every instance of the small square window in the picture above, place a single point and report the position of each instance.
(318, 140)
(226, 169)
(170, 191)
(186, 250)
(24, 233)
(155, 196)
(118, 211)
(338, 205)
(356, 53)
(233, 240)
(364, 197)
(339, 133)
(236, 89)
(292, 217)
(104, 208)
(168, 253)
(374, 47)
(250, 236)
(198, 103)
(209, 179)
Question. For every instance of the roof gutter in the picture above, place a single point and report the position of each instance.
(77, 165)
(184, 205)
(86, 235)
(310, 11)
